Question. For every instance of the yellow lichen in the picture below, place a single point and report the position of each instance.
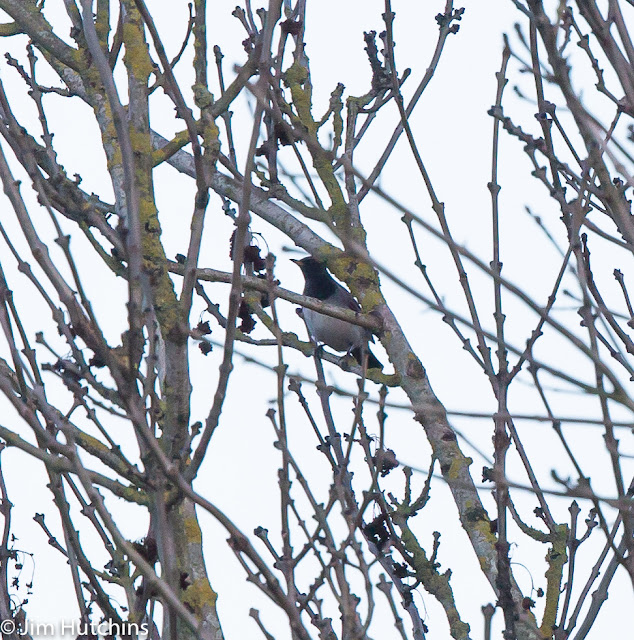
(137, 55)
(198, 594)
(192, 530)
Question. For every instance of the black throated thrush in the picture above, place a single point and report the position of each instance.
(338, 334)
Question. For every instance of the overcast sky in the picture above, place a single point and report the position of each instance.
(453, 131)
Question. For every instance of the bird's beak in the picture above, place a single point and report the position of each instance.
(295, 261)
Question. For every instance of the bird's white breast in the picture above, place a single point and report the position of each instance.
(337, 334)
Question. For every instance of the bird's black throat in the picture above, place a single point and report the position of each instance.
(319, 283)
(321, 286)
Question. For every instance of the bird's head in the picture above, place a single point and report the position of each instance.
(310, 266)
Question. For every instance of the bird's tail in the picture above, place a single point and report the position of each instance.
(373, 361)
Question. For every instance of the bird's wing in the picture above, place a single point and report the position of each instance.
(343, 298)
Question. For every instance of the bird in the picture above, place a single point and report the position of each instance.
(336, 333)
